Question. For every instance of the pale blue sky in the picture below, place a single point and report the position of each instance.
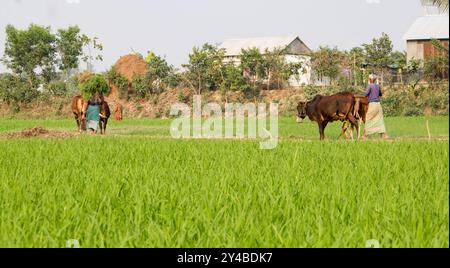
(173, 27)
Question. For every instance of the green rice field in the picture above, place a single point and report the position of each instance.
(138, 187)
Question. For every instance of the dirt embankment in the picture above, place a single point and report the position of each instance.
(155, 106)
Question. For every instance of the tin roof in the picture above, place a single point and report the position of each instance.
(429, 27)
(233, 47)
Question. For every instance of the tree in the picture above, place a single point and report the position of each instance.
(205, 68)
(292, 69)
(36, 52)
(274, 65)
(326, 62)
(347, 68)
(233, 80)
(70, 43)
(398, 62)
(398, 59)
(378, 53)
(253, 64)
(28, 51)
(94, 48)
(158, 72)
(357, 59)
(215, 65)
(197, 68)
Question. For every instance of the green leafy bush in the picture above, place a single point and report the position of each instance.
(16, 90)
(392, 106)
(141, 85)
(181, 97)
(414, 101)
(173, 80)
(118, 80)
(310, 91)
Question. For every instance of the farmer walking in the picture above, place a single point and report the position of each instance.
(93, 113)
(375, 119)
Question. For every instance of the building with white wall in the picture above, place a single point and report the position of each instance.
(433, 25)
(295, 51)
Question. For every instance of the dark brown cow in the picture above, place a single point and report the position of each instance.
(79, 106)
(105, 113)
(360, 112)
(326, 109)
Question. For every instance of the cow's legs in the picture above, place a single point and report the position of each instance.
(320, 130)
(78, 123)
(359, 128)
(344, 130)
(103, 122)
(354, 123)
(322, 127)
(83, 124)
(347, 135)
(104, 126)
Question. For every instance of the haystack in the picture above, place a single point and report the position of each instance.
(128, 66)
(131, 65)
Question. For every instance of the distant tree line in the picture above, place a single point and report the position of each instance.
(43, 62)
(352, 67)
(36, 56)
(207, 70)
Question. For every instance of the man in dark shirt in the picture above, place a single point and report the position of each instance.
(374, 119)
(373, 92)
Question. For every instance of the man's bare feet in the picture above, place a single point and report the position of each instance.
(385, 136)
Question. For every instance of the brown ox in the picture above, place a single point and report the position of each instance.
(326, 109)
(360, 112)
(105, 113)
(79, 106)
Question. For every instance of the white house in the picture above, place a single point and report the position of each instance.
(295, 51)
(433, 25)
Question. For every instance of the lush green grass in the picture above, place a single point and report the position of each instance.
(133, 190)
